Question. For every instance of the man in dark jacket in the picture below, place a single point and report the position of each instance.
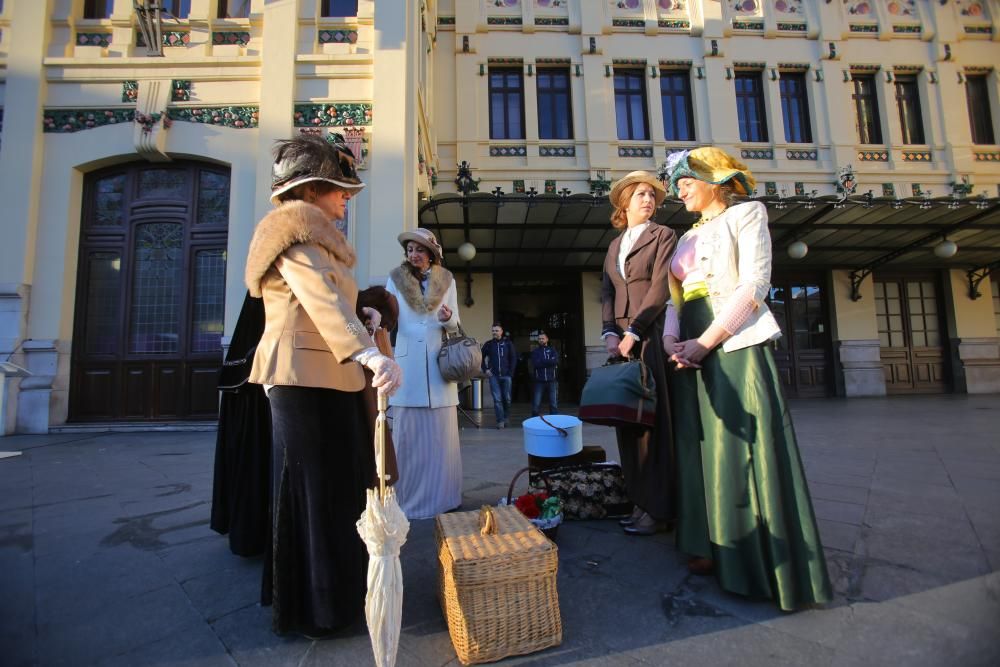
(544, 364)
(499, 362)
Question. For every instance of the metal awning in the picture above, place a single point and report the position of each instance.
(860, 233)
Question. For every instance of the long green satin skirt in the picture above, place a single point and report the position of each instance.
(742, 494)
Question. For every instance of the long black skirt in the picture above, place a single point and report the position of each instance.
(323, 462)
(647, 454)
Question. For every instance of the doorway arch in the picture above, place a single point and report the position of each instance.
(150, 298)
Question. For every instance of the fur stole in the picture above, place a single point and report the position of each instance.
(292, 223)
(409, 287)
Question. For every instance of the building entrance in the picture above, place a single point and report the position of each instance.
(910, 334)
(528, 303)
(150, 293)
(802, 354)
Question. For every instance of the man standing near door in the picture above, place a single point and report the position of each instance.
(499, 362)
(544, 365)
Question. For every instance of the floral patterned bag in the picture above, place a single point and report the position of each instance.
(588, 490)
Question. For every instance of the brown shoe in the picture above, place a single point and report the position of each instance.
(646, 525)
(701, 566)
(631, 518)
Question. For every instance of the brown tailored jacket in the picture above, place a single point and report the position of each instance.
(639, 298)
(300, 264)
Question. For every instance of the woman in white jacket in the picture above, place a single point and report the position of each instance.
(424, 419)
(743, 505)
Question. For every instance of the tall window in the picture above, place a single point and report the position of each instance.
(506, 103)
(234, 9)
(995, 288)
(675, 96)
(750, 106)
(98, 9)
(555, 116)
(908, 102)
(977, 95)
(340, 8)
(866, 108)
(177, 8)
(630, 105)
(795, 108)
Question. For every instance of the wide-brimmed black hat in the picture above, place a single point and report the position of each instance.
(309, 158)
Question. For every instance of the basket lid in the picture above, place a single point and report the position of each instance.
(515, 535)
(537, 426)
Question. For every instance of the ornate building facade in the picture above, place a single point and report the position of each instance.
(132, 175)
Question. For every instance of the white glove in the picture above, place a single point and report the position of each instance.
(388, 374)
(373, 318)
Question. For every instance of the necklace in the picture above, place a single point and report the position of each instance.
(707, 218)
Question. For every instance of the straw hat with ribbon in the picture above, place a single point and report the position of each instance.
(659, 191)
(424, 237)
(711, 165)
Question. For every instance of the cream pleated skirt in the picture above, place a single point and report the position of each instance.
(429, 460)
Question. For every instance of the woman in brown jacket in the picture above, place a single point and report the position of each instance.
(310, 360)
(634, 298)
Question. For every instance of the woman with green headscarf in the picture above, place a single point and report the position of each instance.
(744, 510)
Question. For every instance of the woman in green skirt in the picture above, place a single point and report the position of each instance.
(744, 511)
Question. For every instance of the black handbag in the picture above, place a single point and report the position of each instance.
(460, 358)
(235, 372)
(588, 490)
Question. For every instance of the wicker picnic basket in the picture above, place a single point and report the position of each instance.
(497, 584)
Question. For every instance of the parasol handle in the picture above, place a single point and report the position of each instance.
(383, 405)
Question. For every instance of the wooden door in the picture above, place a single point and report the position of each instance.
(802, 354)
(150, 293)
(910, 327)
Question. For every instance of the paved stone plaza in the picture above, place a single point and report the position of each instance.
(106, 556)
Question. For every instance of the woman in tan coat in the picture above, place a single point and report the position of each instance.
(310, 360)
(634, 298)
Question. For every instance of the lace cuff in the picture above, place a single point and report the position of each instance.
(738, 309)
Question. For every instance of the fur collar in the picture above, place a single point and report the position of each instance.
(437, 287)
(292, 223)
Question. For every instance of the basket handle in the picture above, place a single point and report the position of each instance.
(487, 521)
(510, 489)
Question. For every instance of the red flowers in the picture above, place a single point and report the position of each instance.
(530, 504)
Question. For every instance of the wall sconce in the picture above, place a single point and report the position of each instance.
(774, 74)
(531, 70)
(576, 67)
(482, 69)
(945, 249)
(607, 70)
(932, 77)
(729, 73)
(466, 253)
(888, 76)
(832, 51)
(797, 249)
(699, 72)
(819, 75)
(961, 78)
(652, 71)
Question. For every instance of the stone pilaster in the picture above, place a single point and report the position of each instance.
(978, 365)
(862, 368)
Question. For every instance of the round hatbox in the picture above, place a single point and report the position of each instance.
(561, 436)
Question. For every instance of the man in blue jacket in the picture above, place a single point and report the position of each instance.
(499, 362)
(544, 364)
